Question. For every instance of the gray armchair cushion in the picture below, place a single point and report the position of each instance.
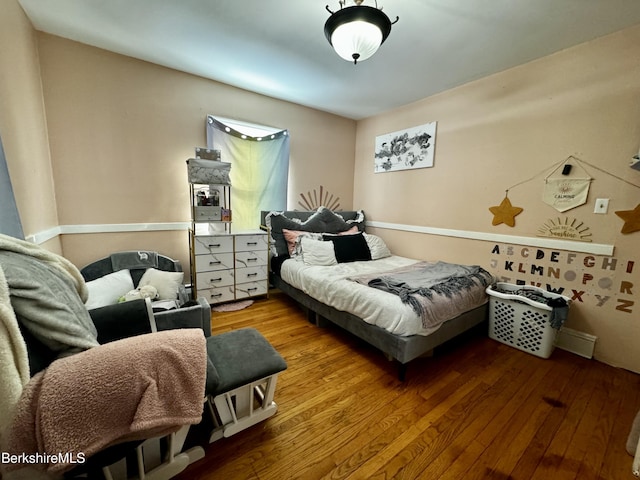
(240, 357)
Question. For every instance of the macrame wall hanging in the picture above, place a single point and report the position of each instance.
(564, 194)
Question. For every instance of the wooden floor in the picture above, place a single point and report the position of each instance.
(476, 410)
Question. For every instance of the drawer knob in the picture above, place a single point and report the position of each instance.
(252, 259)
(216, 295)
(212, 280)
(252, 289)
(215, 263)
(252, 243)
(215, 245)
(252, 274)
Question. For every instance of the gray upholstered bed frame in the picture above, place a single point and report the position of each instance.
(402, 349)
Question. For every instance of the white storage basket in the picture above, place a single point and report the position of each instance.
(520, 322)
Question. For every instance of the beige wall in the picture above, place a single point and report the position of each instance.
(121, 130)
(23, 124)
(509, 128)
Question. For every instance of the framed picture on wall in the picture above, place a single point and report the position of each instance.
(405, 149)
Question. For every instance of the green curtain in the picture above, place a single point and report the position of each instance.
(9, 219)
(259, 170)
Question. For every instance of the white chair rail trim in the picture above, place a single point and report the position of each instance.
(46, 235)
(581, 247)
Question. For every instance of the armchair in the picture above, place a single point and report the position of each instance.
(160, 454)
(90, 399)
(190, 314)
(110, 387)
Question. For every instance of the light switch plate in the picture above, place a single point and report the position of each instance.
(602, 205)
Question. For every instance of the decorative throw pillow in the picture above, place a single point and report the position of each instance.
(167, 283)
(317, 252)
(293, 239)
(108, 289)
(323, 220)
(377, 247)
(349, 248)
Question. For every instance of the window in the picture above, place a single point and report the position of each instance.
(9, 218)
(259, 158)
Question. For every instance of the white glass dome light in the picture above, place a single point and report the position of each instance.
(356, 40)
(357, 32)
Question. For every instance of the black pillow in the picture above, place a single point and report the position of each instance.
(349, 248)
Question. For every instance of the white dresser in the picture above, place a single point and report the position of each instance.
(230, 266)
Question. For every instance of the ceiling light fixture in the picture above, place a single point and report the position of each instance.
(357, 32)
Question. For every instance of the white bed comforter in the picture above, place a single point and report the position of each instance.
(329, 285)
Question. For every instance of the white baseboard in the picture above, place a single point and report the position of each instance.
(573, 341)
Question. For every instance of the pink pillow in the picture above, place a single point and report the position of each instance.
(291, 236)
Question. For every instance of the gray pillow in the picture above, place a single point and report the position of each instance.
(322, 221)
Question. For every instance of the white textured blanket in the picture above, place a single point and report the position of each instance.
(330, 285)
(14, 364)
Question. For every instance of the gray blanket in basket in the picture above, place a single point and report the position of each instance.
(560, 308)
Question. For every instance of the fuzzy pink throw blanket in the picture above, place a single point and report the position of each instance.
(131, 389)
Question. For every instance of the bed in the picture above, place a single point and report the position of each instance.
(328, 263)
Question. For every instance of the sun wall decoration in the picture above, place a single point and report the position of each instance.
(565, 230)
(319, 199)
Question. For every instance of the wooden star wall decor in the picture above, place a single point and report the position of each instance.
(631, 219)
(505, 213)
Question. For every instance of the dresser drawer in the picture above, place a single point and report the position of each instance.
(251, 289)
(207, 214)
(215, 278)
(220, 261)
(251, 259)
(251, 242)
(213, 244)
(219, 294)
(251, 274)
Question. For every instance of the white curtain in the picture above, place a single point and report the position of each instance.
(259, 170)
(9, 219)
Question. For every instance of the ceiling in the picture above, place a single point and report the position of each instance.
(278, 48)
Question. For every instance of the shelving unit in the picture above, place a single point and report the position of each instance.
(225, 266)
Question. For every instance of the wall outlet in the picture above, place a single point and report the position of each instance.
(602, 205)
